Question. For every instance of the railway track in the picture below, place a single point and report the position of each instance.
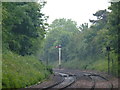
(95, 77)
(67, 81)
(74, 79)
(70, 79)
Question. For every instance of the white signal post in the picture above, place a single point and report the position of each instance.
(59, 56)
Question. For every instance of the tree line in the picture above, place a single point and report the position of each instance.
(24, 31)
(84, 42)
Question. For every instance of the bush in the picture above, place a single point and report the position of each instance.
(100, 64)
(22, 71)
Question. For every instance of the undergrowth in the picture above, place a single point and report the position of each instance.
(22, 71)
(100, 64)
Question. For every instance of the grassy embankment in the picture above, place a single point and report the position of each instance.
(98, 65)
(21, 71)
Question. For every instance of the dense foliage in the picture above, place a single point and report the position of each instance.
(22, 71)
(85, 43)
(23, 27)
(23, 31)
(61, 33)
(83, 47)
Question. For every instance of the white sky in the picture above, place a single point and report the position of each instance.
(77, 10)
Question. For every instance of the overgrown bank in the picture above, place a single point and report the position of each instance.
(100, 64)
(23, 32)
(22, 71)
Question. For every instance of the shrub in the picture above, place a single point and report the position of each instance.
(22, 71)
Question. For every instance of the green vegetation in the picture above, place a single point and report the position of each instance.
(84, 46)
(99, 65)
(22, 71)
(26, 41)
(23, 27)
(23, 32)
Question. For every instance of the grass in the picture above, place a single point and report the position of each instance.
(98, 65)
(21, 71)
(76, 64)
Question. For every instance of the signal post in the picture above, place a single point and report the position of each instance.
(59, 58)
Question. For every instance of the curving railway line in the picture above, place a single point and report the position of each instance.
(95, 77)
(66, 82)
(73, 79)
(70, 79)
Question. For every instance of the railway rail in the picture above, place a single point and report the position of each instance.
(67, 81)
(63, 79)
(93, 79)
(70, 79)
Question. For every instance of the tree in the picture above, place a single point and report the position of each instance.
(23, 26)
(114, 26)
(83, 27)
(101, 16)
(61, 32)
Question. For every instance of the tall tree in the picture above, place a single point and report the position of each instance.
(23, 26)
(61, 32)
(114, 26)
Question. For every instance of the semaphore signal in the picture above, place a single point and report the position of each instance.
(59, 47)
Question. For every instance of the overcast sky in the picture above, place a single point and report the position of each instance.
(77, 10)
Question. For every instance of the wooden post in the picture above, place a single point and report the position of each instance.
(108, 50)
(112, 66)
(108, 63)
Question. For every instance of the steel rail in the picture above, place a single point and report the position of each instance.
(94, 82)
(66, 82)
